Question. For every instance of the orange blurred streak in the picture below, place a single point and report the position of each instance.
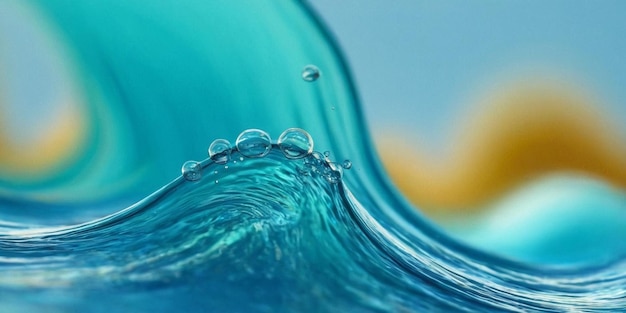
(523, 134)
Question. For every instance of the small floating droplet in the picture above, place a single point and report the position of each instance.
(347, 164)
(295, 143)
(219, 151)
(254, 143)
(217, 181)
(192, 170)
(310, 73)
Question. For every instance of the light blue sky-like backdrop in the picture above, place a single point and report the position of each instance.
(419, 65)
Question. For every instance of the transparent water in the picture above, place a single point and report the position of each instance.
(262, 226)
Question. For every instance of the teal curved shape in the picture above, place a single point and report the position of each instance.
(116, 228)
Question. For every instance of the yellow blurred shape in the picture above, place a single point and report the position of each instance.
(522, 134)
(27, 160)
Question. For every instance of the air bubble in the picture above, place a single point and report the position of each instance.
(254, 143)
(295, 143)
(219, 151)
(192, 170)
(326, 153)
(333, 173)
(310, 73)
(347, 164)
(316, 159)
(333, 177)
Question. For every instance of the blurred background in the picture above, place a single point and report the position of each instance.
(501, 121)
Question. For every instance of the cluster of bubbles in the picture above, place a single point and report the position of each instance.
(320, 164)
(294, 143)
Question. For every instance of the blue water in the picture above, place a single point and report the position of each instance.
(115, 227)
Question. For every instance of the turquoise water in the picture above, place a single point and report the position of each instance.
(268, 223)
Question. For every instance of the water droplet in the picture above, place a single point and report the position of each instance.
(219, 151)
(295, 143)
(215, 172)
(217, 181)
(254, 143)
(192, 170)
(241, 159)
(225, 167)
(310, 73)
(347, 164)
(326, 153)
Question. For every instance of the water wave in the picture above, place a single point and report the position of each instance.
(258, 233)
(270, 233)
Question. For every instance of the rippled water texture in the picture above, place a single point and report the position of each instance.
(108, 99)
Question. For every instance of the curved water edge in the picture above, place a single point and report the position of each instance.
(276, 227)
(274, 221)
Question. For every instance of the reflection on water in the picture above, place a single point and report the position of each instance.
(94, 216)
